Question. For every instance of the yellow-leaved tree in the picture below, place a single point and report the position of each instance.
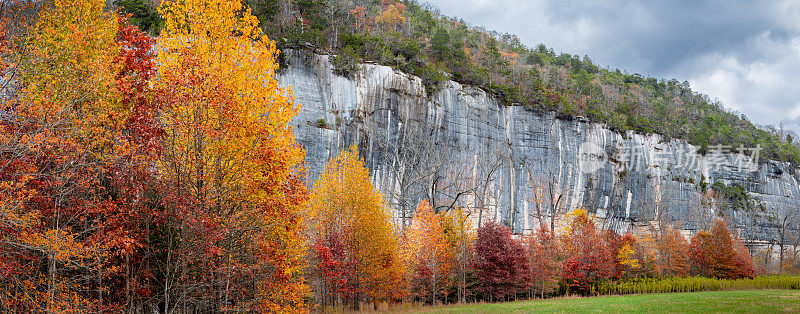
(57, 128)
(230, 166)
(356, 250)
(459, 232)
(429, 250)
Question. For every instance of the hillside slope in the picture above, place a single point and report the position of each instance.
(416, 39)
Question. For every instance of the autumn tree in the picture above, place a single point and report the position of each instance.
(673, 253)
(78, 144)
(630, 253)
(230, 166)
(346, 209)
(58, 132)
(363, 22)
(459, 231)
(745, 266)
(500, 262)
(546, 260)
(132, 179)
(392, 15)
(430, 253)
(589, 257)
(700, 257)
(718, 254)
(335, 267)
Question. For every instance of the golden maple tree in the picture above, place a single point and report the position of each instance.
(459, 232)
(344, 202)
(230, 163)
(392, 15)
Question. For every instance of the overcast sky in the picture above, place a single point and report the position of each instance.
(744, 53)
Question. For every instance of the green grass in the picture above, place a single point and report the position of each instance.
(759, 301)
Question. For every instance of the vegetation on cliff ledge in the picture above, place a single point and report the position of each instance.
(416, 39)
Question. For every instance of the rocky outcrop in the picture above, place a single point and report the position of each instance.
(629, 177)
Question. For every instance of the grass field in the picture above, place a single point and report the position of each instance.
(759, 301)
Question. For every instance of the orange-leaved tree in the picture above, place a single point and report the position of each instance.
(362, 20)
(745, 266)
(346, 210)
(430, 253)
(459, 232)
(718, 254)
(625, 251)
(230, 167)
(60, 144)
(546, 260)
(673, 253)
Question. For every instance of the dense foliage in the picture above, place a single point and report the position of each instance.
(500, 263)
(589, 259)
(167, 179)
(584, 259)
(352, 237)
(717, 254)
(142, 180)
(429, 249)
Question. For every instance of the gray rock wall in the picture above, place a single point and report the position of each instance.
(630, 177)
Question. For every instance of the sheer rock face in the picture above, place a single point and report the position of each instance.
(627, 177)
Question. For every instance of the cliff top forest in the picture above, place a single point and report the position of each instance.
(414, 38)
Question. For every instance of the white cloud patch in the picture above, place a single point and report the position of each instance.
(759, 79)
(795, 113)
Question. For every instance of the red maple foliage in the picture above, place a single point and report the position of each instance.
(589, 257)
(501, 266)
(546, 260)
(337, 267)
(131, 176)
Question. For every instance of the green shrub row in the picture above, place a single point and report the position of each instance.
(694, 284)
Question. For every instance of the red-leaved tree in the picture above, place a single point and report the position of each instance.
(337, 267)
(546, 260)
(589, 257)
(501, 264)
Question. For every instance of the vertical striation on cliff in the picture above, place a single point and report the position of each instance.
(415, 144)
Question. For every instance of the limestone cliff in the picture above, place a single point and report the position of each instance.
(629, 177)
